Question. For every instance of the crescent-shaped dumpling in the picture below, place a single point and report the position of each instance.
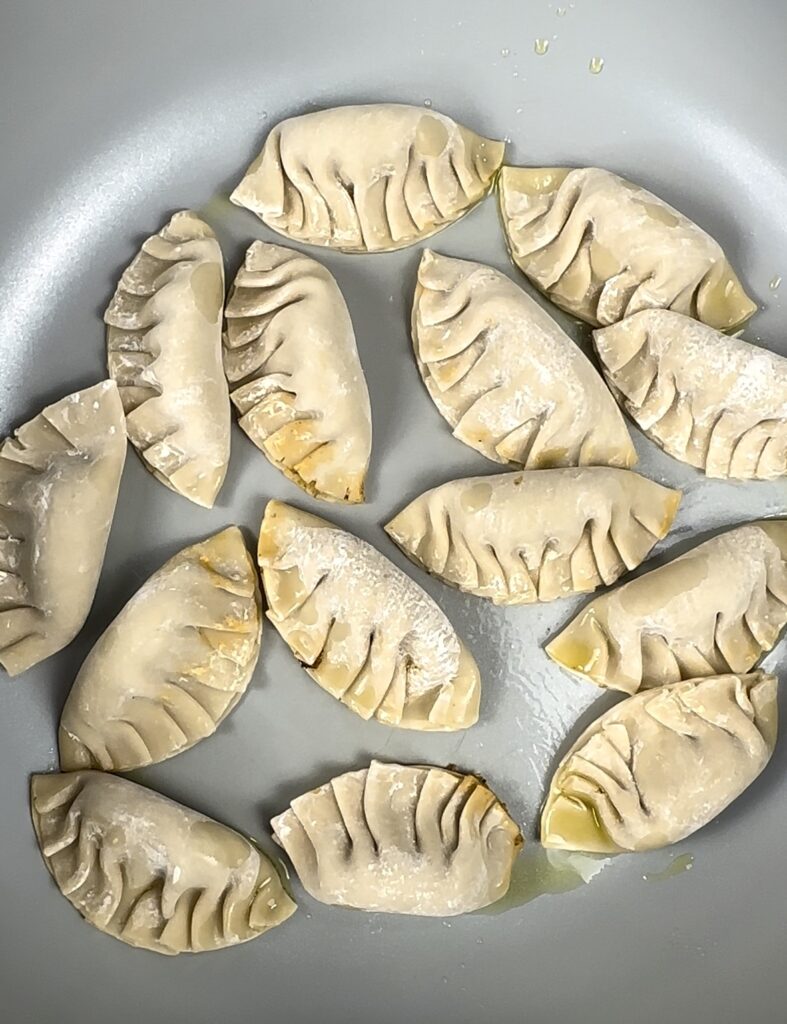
(401, 839)
(59, 480)
(151, 872)
(510, 383)
(297, 381)
(368, 178)
(363, 629)
(718, 608)
(164, 351)
(172, 665)
(716, 402)
(603, 248)
(661, 764)
(516, 538)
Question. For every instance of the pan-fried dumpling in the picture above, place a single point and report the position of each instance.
(172, 665)
(401, 839)
(363, 629)
(368, 178)
(508, 380)
(59, 480)
(603, 248)
(290, 356)
(716, 609)
(149, 871)
(517, 538)
(164, 351)
(718, 403)
(661, 764)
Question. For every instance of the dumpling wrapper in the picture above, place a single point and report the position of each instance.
(362, 629)
(507, 379)
(603, 248)
(716, 402)
(172, 665)
(401, 839)
(661, 764)
(297, 382)
(718, 608)
(516, 538)
(149, 871)
(368, 178)
(59, 480)
(164, 351)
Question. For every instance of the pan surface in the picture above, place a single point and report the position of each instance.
(115, 115)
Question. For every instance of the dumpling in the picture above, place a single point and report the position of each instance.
(401, 839)
(164, 351)
(718, 403)
(363, 629)
(517, 538)
(172, 665)
(508, 380)
(661, 764)
(368, 178)
(149, 871)
(716, 609)
(290, 356)
(59, 480)
(603, 248)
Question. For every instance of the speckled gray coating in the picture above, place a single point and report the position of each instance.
(117, 115)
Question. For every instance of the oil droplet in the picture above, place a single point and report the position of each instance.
(774, 283)
(560, 11)
(217, 206)
(596, 65)
(541, 46)
(519, 110)
(540, 872)
(505, 52)
(427, 102)
(677, 866)
(476, 497)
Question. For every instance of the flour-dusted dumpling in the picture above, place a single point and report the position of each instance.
(149, 871)
(716, 609)
(661, 764)
(603, 248)
(164, 350)
(290, 356)
(715, 402)
(59, 480)
(508, 380)
(363, 629)
(401, 839)
(368, 178)
(172, 665)
(517, 538)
